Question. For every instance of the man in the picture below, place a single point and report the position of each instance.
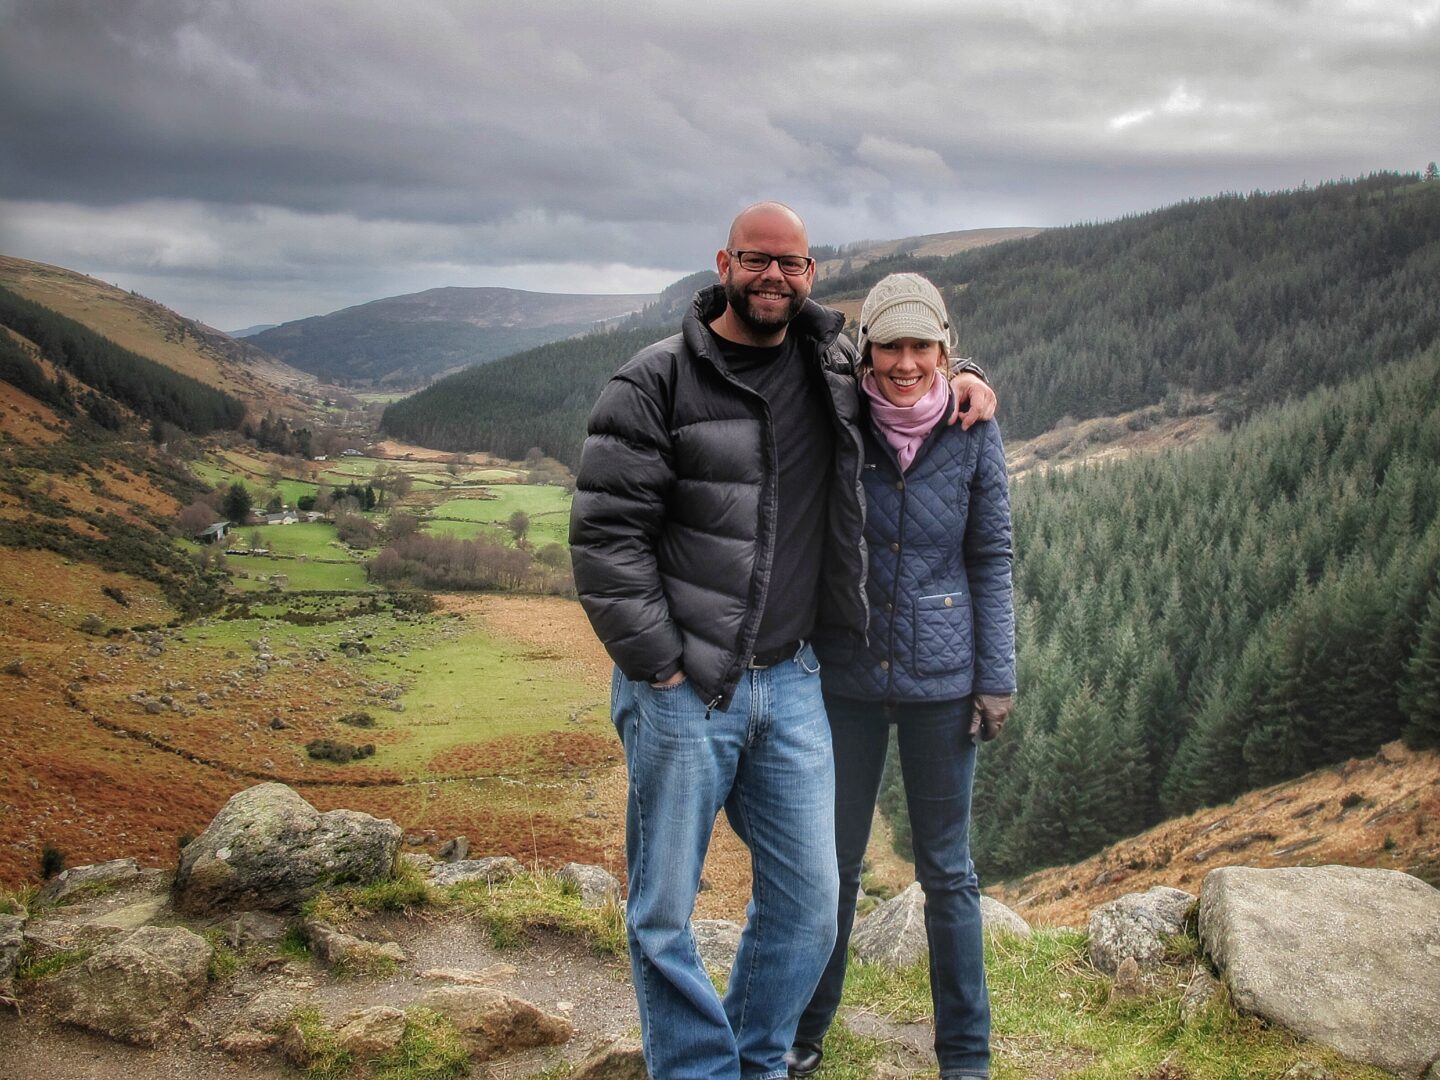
(717, 519)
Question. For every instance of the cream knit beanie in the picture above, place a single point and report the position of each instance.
(904, 306)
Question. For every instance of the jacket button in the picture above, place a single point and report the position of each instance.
(949, 602)
(884, 665)
(895, 549)
(889, 606)
(899, 485)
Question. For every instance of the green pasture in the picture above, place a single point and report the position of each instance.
(301, 574)
(255, 481)
(547, 505)
(313, 539)
(468, 530)
(470, 687)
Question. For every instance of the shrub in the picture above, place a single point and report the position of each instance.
(52, 861)
(338, 752)
(358, 719)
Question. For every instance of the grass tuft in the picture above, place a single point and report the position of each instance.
(324, 1058)
(404, 891)
(32, 969)
(431, 1049)
(527, 902)
(224, 961)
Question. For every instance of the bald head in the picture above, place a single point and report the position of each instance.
(761, 215)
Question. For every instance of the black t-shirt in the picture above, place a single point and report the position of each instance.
(805, 444)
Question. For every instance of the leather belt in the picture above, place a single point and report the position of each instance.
(777, 655)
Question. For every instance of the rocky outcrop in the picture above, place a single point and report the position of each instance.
(269, 849)
(135, 988)
(894, 933)
(371, 1033)
(352, 954)
(1135, 926)
(12, 937)
(493, 1023)
(1000, 921)
(1344, 956)
(68, 883)
(620, 1060)
(492, 871)
(598, 887)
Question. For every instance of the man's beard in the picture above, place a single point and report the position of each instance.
(739, 299)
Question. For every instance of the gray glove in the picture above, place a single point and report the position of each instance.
(987, 716)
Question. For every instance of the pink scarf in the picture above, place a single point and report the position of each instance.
(905, 427)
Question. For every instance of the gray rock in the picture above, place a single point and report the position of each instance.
(622, 1059)
(598, 887)
(269, 849)
(1135, 925)
(349, 952)
(251, 928)
(135, 989)
(371, 1033)
(68, 882)
(999, 920)
(418, 859)
(244, 1043)
(492, 871)
(270, 1009)
(132, 916)
(455, 850)
(894, 933)
(1344, 956)
(717, 940)
(1199, 992)
(493, 1023)
(12, 940)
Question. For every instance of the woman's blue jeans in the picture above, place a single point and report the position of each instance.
(766, 761)
(937, 760)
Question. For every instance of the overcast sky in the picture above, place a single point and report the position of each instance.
(251, 161)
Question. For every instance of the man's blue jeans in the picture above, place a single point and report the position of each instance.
(937, 760)
(766, 761)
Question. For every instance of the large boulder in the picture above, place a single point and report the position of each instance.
(67, 883)
(1135, 927)
(269, 849)
(1000, 921)
(894, 933)
(136, 988)
(493, 1023)
(1344, 956)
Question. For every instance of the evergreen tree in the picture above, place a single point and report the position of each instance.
(1420, 692)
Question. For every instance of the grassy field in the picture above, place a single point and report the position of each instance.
(547, 505)
(300, 575)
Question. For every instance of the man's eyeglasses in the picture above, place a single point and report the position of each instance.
(758, 261)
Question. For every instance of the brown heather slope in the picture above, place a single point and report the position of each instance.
(159, 334)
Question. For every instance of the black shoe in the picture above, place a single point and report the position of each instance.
(803, 1059)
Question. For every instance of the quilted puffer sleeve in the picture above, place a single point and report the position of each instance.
(626, 473)
(988, 558)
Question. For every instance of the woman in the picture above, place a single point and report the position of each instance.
(939, 663)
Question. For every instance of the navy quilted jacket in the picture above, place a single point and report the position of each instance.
(942, 616)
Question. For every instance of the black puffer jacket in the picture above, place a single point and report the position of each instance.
(673, 524)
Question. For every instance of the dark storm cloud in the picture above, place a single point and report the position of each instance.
(303, 141)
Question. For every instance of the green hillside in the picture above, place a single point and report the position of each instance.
(1262, 296)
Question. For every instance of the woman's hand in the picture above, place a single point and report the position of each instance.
(974, 400)
(987, 716)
